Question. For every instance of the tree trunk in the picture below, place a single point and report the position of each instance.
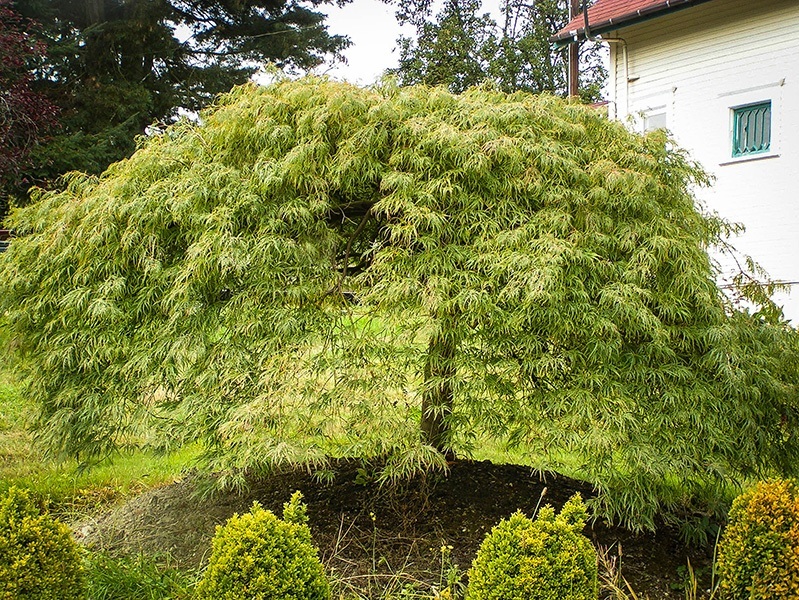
(97, 52)
(95, 12)
(439, 372)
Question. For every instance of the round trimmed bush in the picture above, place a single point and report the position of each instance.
(258, 556)
(759, 552)
(39, 559)
(545, 559)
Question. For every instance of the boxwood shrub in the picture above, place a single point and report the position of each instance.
(759, 551)
(258, 556)
(39, 559)
(545, 559)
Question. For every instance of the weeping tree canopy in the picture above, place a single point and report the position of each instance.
(319, 270)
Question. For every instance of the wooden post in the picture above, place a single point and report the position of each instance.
(574, 53)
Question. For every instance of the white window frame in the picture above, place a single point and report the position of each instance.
(739, 113)
(659, 103)
(655, 111)
(728, 102)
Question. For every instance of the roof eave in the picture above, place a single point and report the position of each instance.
(578, 35)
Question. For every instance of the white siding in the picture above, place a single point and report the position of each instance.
(695, 65)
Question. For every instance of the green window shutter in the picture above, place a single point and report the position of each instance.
(751, 129)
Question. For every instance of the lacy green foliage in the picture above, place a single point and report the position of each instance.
(545, 559)
(257, 555)
(39, 560)
(758, 555)
(536, 273)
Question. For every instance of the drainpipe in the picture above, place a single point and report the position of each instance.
(585, 22)
(623, 44)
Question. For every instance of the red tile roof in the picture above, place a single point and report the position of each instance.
(607, 15)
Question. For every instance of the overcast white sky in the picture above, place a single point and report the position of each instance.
(373, 29)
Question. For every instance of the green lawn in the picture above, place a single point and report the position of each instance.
(69, 488)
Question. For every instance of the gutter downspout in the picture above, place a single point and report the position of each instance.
(587, 29)
(623, 44)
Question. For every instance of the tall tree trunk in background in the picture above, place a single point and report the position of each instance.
(95, 12)
(97, 55)
(574, 54)
(437, 400)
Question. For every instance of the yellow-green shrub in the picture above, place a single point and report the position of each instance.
(545, 559)
(759, 551)
(258, 556)
(39, 560)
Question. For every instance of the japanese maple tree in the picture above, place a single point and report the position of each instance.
(318, 270)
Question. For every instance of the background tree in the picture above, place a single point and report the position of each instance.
(117, 66)
(526, 272)
(455, 50)
(526, 59)
(460, 48)
(26, 117)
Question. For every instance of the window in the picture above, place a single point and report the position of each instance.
(655, 119)
(751, 129)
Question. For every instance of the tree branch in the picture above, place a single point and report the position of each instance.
(355, 207)
(367, 215)
(346, 260)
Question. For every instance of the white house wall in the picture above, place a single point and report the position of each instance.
(689, 69)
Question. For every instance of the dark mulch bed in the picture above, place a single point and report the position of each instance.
(367, 533)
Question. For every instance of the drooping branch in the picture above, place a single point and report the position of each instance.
(350, 210)
(344, 268)
(550, 323)
(358, 230)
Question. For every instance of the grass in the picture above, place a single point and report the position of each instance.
(73, 491)
(135, 578)
(497, 453)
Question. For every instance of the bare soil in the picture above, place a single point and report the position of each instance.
(366, 532)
